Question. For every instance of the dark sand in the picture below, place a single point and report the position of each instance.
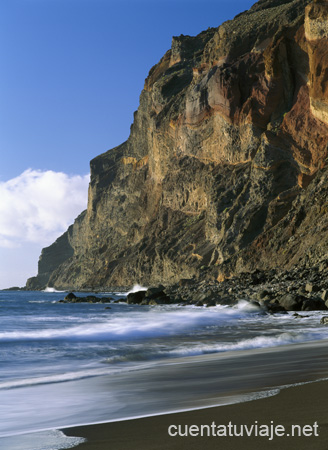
(301, 405)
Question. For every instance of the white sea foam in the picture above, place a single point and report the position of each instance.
(138, 325)
(137, 288)
(37, 301)
(246, 306)
(143, 324)
(285, 338)
(51, 290)
(162, 322)
(42, 440)
(70, 376)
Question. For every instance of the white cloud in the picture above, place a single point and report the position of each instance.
(38, 206)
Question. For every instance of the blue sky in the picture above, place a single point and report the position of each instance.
(71, 75)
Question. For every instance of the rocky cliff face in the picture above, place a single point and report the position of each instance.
(225, 167)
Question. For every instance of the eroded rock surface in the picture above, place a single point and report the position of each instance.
(225, 167)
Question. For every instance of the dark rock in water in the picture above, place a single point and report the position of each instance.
(70, 296)
(157, 296)
(324, 320)
(313, 304)
(299, 316)
(276, 309)
(226, 301)
(291, 302)
(158, 301)
(210, 303)
(296, 302)
(155, 292)
(89, 299)
(13, 288)
(135, 298)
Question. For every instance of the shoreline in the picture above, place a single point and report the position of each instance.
(184, 385)
(301, 405)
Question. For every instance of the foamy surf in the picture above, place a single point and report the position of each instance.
(82, 359)
(138, 324)
(51, 290)
(136, 288)
(41, 440)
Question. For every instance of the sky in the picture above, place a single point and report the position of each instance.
(71, 75)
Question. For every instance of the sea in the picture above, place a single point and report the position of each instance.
(67, 364)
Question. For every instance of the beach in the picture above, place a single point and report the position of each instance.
(120, 377)
(303, 405)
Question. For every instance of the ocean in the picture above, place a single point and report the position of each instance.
(64, 364)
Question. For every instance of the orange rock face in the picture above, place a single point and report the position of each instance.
(316, 32)
(230, 137)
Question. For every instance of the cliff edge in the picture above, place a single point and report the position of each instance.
(225, 167)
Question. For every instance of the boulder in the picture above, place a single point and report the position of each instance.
(90, 299)
(186, 282)
(70, 296)
(312, 287)
(324, 320)
(105, 299)
(158, 294)
(158, 301)
(135, 298)
(324, 295)
(155, 292)
(210, 303)
(292, 302)
(207, 297)
(264, 294)
(314, 304)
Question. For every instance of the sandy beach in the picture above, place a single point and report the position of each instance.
(304, 406)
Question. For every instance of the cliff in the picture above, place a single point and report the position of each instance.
(225, 167)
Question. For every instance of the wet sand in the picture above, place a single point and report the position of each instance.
(304, 405)
(219, 379)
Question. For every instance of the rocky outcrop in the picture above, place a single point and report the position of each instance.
(225, 167)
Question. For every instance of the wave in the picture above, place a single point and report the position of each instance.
(41, 440)
(136, 288)
(257, 342)
(285, 338)
(50, 379)
(147, 357)
(37, 301)
(73, 376)
(51, 290)
(139, 324)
